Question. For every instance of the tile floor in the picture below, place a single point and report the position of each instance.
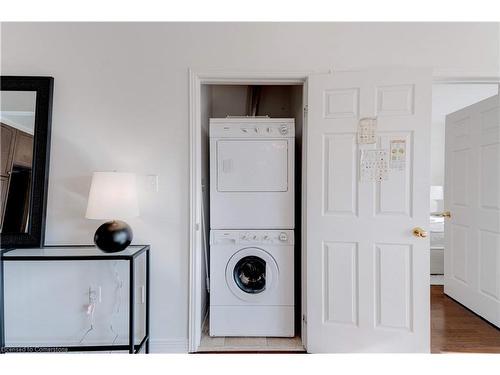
(253, 344)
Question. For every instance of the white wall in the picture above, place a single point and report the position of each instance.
(121, 102)
(448, 98)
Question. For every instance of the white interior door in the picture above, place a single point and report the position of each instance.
(472, 194)
(367, 274)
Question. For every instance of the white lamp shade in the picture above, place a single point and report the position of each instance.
(113, 195)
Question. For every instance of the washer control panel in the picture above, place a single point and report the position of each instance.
(252, 237)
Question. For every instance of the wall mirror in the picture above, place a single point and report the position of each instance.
(25, 117)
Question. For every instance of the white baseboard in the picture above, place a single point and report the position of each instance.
(168, 346)
(437, 279)
(155, 346)
(58, 343)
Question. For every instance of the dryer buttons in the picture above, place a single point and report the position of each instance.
(283, 236)
(284, 129)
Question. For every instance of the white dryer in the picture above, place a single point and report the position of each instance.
(252, 283)
(252, 173)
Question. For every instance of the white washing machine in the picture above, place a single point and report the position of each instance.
(252, 283)
(252, 173)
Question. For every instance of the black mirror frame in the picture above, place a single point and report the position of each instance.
(44, 87)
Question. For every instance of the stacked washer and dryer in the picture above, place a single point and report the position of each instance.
(252, 222)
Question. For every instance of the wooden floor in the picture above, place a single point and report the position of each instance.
(456, 329)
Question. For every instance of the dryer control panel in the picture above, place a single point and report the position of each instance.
(252, 237)
(252, 128)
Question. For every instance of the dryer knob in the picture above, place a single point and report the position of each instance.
(283, 236)
(284, 129)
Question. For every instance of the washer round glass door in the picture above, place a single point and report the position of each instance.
(251, 273)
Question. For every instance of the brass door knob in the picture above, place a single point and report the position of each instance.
(446, 214)
(419, 232)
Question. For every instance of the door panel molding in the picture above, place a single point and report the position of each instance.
(340, 283)
(394, 286)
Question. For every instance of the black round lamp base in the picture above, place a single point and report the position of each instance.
(113, 236)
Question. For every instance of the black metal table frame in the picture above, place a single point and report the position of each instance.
(131, 347)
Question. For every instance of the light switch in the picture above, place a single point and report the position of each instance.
(152, 182)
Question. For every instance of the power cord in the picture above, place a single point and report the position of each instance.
(91, 307)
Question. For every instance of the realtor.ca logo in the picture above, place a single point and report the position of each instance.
(33, 349)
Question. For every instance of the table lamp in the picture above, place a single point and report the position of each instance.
(113, 196)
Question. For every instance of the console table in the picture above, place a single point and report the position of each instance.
(78, 253)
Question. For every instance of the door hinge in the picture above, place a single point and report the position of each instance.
(306, 108)
(304, 319)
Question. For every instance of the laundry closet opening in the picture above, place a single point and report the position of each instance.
(251, 177)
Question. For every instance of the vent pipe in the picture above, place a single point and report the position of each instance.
(253, 100)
